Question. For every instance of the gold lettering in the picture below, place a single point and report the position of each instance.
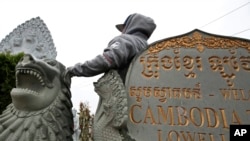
(164, 93)
(159, 135)
(201, 136)
(177, 63)
(150, 67)
(165, 116)
(187, 93)
(182, 113)
(245, 62)
(224, 119)
(139, 94)
(147, 69)
(160, 93)
(194, 116)
(222, 137)
(149, 115)
(235, 93)
(234, 63)
(196, 93)
(215, 116)
(170, 136)
(188, 62)
(211, 137)
(199, 64)
(215, 63)
(132, 91)
(189, 137)
(176, 93)
(147, 91)
(225, 93)
(243, 95)
(131, 114)
(236, 118)
(167, 62)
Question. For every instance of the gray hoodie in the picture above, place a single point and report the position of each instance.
(121, 49)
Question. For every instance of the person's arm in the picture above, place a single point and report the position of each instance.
(89, 68)
(113, 57)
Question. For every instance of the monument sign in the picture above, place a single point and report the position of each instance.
(190, 87)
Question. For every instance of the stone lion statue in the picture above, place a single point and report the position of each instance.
(110, 121)
(41, 105)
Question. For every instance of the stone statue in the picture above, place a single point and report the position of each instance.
(76, 127)
(112, 112)
(32, 37)
(41, 105)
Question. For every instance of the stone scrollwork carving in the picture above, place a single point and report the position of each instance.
(41, 103)
(199, 40)
(31, 37)
(112, 112)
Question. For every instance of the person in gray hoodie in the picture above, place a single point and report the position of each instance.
(136, 30)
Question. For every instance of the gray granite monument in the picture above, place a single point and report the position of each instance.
(190, 87)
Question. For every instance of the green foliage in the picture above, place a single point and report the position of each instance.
(7, 77)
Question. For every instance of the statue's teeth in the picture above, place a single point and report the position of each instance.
(31, 72)
(29, 91)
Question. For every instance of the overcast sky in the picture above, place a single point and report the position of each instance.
(82, 29)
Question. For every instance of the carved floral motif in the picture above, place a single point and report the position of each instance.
(200, 41)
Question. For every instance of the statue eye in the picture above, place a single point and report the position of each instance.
(51, 62)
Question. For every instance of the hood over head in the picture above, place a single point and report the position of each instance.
(137, 23)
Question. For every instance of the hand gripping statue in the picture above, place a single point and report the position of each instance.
(136, 30)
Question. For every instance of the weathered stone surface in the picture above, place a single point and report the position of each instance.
(31, 37)
(41, 104)
(189, 87)
(110, 121)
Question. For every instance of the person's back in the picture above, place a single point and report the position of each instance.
(121, 50)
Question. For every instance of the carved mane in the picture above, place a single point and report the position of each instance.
(111, 114)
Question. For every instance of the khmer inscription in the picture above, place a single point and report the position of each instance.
(190, 87)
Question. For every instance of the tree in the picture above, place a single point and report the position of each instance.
(86, 122)
(7, 80)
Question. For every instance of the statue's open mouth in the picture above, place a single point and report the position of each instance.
(29, 81)
(38, 83)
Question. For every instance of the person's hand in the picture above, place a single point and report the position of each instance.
(67, 76)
